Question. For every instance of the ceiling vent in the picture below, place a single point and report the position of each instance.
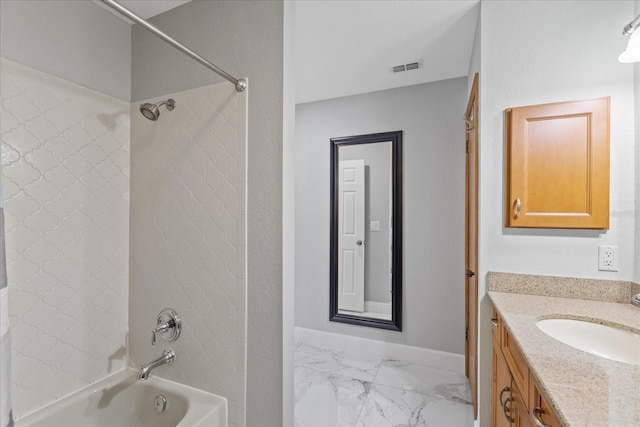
(407, 67)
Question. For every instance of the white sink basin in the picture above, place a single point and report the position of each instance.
(604, 341)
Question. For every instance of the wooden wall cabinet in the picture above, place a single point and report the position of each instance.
(516, 397)
(557, 165)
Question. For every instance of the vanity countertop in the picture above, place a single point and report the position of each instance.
(585, 390)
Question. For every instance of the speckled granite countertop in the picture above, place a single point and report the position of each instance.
(584, 389)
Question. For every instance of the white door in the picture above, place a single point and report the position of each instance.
(351, 244)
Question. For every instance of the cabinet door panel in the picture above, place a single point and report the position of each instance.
(516, 362)
(502, 389)
(557, 173)
(556, 156)
(544, 411)
(520, 410)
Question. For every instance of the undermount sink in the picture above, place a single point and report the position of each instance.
(600, 340)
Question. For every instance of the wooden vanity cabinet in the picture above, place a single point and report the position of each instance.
(557, 165)
(515, 392)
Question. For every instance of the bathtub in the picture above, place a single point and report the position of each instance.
(120, 400)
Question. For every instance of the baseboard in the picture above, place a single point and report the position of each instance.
(377, 307)
(380, 349)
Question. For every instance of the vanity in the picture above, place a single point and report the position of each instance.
(538, 380)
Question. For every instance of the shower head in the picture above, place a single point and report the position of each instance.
(152, 111)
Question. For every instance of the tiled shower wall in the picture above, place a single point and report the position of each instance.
(65, 177)
(188, 238)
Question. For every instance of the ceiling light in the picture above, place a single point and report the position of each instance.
(632, 53)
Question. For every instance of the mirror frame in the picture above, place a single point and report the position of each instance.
(395, 324)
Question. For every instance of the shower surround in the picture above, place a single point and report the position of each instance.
(65, 177)
(88, 270)
(188, 233)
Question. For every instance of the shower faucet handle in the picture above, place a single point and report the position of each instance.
(168, 326)
(159, 328)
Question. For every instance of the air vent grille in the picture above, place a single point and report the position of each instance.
(407, 67)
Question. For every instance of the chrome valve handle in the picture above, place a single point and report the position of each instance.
(168, 326)
(160, 328)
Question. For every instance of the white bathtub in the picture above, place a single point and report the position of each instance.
(120, 400)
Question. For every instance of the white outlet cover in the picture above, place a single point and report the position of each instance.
(607, 258)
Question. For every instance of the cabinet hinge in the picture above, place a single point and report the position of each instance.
(467, 145)
(466, 334)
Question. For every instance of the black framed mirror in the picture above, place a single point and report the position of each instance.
(366, 230)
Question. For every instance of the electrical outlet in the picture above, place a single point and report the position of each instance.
(608, 258)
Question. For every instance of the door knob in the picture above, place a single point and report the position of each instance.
(359, 243)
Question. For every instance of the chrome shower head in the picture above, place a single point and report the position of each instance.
(152, 111)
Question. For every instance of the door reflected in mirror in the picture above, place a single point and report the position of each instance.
(366, 235)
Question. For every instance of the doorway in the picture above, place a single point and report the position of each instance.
(471, 243)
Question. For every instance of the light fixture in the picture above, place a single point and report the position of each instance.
(632, 53)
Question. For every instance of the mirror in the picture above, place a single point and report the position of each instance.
(366, 230)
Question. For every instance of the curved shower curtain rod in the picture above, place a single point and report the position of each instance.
(241, 84)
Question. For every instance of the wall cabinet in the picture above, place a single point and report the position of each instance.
(516, 397)
(557, 165)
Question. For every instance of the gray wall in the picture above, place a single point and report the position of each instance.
(474, 63)
(377, 164)
(636, 91)
(75, 40)
(434, 158)
(288, 212)
(245, 38)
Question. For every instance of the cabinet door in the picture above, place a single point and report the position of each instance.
(516, 362)
(557, 172)
(501, 397)
(542, 409)
(520, 414)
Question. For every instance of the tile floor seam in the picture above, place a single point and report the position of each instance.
(378, 370)
(331, 373)
(364, 404)
(414, 391)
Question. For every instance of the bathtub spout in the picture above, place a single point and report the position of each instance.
(167, 358)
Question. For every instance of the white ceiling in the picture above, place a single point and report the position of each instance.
(145, 8)
(347, 47)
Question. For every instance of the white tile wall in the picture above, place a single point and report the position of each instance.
(188, 238)
(65, 177)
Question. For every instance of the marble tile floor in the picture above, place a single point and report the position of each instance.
(335, 388)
